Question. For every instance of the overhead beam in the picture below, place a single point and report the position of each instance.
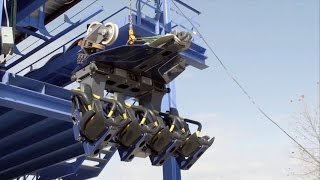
(47, 42)
(26, 7)
(27, 31)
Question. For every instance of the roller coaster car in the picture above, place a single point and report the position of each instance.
(141, 71)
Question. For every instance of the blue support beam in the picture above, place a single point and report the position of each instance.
(43, 45)
(16, 122)
(84, 172)
(38, 149)
(59, 35)
(55, 64)
(32, 22)
(27, 31)
(33, 102)
(75, 170)
(60, 155)
(22, 138)
(61, 170)
(26, 7)
(34, 97)
(43, 141)
(29, 141)
(1, 10)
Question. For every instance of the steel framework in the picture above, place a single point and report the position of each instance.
(36, 135)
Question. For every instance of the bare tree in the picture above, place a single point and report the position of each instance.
(308, 134)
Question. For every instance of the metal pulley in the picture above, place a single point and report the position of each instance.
(104, 34)
(113, 30)
(98, 36)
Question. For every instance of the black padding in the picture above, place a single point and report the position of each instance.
(160, 140)
(86, 89)
(190, 145)
(93, 127)
(130, 134)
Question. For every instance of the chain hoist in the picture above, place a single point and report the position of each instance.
(132, 37)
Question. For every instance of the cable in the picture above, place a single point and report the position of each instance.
(66, 3)
(13, 19)
(143, 4)
(245, 92)
(69, 2)
(8, 25)
(6, 12)
(5, 57)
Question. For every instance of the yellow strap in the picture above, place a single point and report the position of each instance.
(96, 96)
(129, 105)
(198, 133)
(143, 120)
(110, 114)
(125, 116)
(171, 128)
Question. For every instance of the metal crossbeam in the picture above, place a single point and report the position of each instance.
(26, 7)
(34, 97)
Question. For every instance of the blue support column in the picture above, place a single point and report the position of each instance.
(157, 17)
(171, 170)
(166, 16)
(139, 13)
(1, 7)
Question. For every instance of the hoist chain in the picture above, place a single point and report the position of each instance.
(132, 37)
